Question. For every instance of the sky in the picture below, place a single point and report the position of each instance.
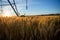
(36, 7)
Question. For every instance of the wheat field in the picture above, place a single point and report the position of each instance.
(29, 28)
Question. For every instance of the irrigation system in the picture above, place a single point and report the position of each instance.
(13, 6)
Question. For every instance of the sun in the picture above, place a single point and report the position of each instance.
(7, 13)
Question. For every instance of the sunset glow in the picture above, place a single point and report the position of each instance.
(7, 13)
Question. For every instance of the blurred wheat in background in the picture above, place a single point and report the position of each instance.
(29, 28)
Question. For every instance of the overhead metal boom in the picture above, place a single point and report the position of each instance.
(12, 4)
(26, 4)
(13, 8)
(6, 4)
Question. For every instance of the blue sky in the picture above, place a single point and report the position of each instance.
(38, 7)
